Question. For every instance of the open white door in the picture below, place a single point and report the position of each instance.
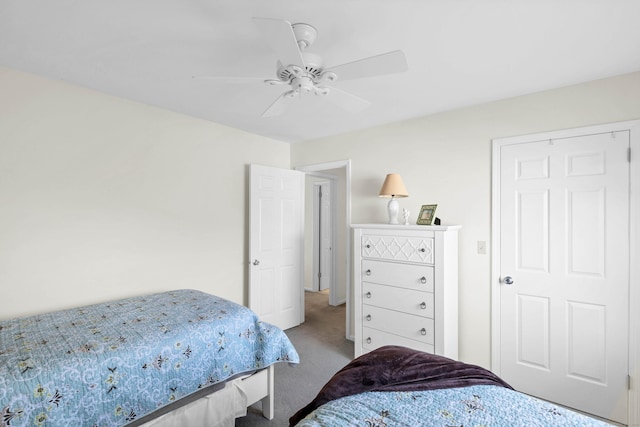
(564, 267)
(322, 235)
(326, 237)
(276, 236)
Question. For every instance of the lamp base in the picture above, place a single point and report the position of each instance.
(393, 207)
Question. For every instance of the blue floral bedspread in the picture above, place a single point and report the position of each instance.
(473, 406)
(109, 364)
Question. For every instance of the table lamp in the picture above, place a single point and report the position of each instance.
(393, 187)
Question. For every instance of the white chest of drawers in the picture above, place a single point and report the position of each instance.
(406, 287)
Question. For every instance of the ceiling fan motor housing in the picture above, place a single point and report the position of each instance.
(312, 63)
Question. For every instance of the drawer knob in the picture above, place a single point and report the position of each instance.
(423, 280)
(368, 317)
(368, 340)
(368, 272)
(367, 246)
(423, 305)
(368, 295)
(423, 331)
(422, 250)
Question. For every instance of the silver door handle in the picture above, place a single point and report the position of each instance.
(256, 262)
(507, 280)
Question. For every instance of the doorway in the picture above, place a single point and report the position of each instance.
(339, 173)
(322, 217)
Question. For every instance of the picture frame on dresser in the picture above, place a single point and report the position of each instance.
(426, 215)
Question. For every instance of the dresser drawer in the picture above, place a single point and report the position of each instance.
(398, 248)
(409, 301)
(372, 339)
(410, 276)
(405, 325)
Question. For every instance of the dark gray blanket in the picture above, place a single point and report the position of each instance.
(394, 368)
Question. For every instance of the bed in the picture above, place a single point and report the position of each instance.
(130, 362)
(397, 386)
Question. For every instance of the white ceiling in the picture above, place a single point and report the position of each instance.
(459, 52)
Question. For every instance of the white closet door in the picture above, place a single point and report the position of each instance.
(564, 242)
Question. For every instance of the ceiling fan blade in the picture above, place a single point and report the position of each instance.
(346, 100)
(386, 63)
(232, 79)
(281, 39)
(280, 104)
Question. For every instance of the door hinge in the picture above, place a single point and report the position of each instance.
(319, 275)
(628, 382)
(629, 155)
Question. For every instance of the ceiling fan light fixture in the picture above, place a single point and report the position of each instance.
(302, 84)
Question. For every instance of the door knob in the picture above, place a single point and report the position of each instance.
(507, 280)
(256, 262)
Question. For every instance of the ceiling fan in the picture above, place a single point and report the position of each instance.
(304, 73)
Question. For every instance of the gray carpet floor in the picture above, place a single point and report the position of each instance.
(323, 349)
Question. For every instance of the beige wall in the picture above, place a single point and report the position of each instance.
(446, 159)
(103, 198)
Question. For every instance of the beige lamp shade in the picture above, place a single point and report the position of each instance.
(393, 187)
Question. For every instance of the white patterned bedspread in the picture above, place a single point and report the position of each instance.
(109, 364)
(473, 406)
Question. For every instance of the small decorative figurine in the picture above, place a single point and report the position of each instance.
(406, 214)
